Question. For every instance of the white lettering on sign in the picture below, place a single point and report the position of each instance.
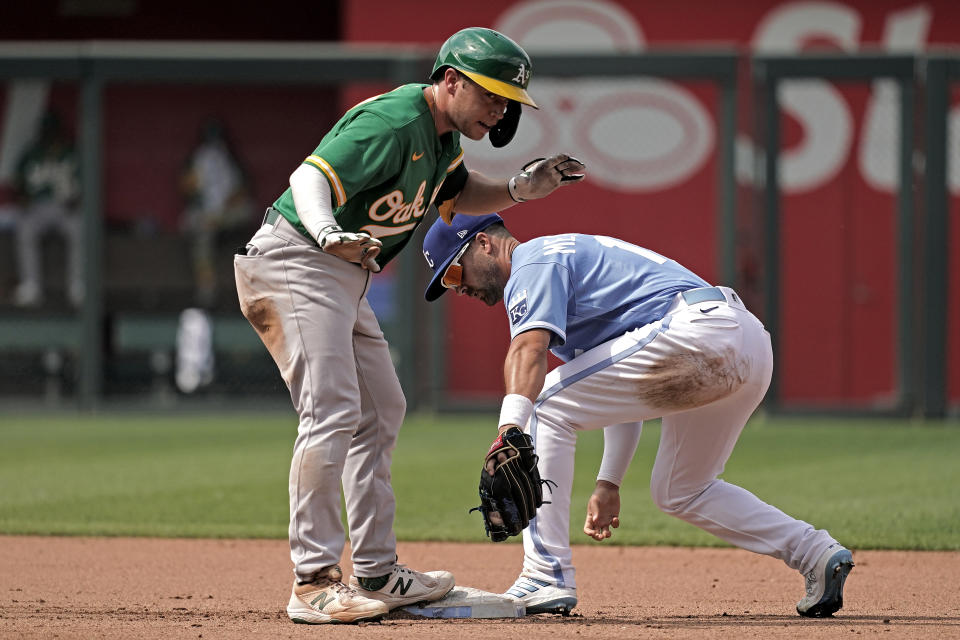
(905, 31)
(816, 104)
(650, 135)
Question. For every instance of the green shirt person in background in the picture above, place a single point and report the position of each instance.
(47, 185)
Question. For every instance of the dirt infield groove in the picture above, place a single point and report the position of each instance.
(176, 588)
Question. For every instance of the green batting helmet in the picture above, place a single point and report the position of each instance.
(489, 58)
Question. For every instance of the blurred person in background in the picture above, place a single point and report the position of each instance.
(47, 189)
(215, 187)
(217, 195)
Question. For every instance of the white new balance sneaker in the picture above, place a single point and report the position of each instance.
(327, 600)
(405, 586)
(540, 596)
(824, 583)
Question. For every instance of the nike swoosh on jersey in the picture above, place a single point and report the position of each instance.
(416, 156)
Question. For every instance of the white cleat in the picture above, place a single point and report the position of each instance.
(540, 596)
(327, 600)
(824, 583)
(405, 586)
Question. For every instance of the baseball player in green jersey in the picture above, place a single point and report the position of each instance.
(302, 280)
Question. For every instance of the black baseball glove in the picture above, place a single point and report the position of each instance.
(511, 490)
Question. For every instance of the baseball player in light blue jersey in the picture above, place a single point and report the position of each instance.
(641, 337)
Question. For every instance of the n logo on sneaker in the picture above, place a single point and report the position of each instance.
(321, 599)
(400, 585)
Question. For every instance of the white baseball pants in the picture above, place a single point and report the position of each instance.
(310, 310)
(703, 368)
(31, 226)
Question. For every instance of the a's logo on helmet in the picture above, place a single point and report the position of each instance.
(523, 74)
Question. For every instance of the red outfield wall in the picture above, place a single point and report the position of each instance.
(651, 150)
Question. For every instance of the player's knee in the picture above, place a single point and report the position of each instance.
(670, 502)
(395, 404)
(662, 500)
(391, 410)
(338, 415)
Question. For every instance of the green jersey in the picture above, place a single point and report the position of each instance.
(385, 165)
(49, 173)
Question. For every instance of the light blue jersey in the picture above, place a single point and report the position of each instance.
(586, 290)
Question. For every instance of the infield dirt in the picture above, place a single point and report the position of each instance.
(158, 588)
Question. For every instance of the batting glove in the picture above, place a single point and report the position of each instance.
(541, 176)
(357, 247)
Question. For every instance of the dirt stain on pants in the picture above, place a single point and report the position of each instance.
(263, 316)
(689, 380)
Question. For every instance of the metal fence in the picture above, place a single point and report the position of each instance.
(770, 73)
(940, 74)
(78, 351)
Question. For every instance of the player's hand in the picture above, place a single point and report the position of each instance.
(542, 176)
(352, 247)
(603, 511)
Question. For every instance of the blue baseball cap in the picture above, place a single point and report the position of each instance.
(442, 242)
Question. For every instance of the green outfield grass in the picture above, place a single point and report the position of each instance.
(873, 483)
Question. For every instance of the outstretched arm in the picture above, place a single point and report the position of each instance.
(524, 370)
(482, 195)
(603, 507)
(619, 444)
(510, 483)
(525, 367)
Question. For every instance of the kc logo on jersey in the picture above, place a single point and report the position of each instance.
(518, 306)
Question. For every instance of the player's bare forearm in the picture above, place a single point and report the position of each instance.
(526, 364)
(482, 195)
(539, 178)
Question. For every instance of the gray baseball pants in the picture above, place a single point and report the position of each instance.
(310, 310)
